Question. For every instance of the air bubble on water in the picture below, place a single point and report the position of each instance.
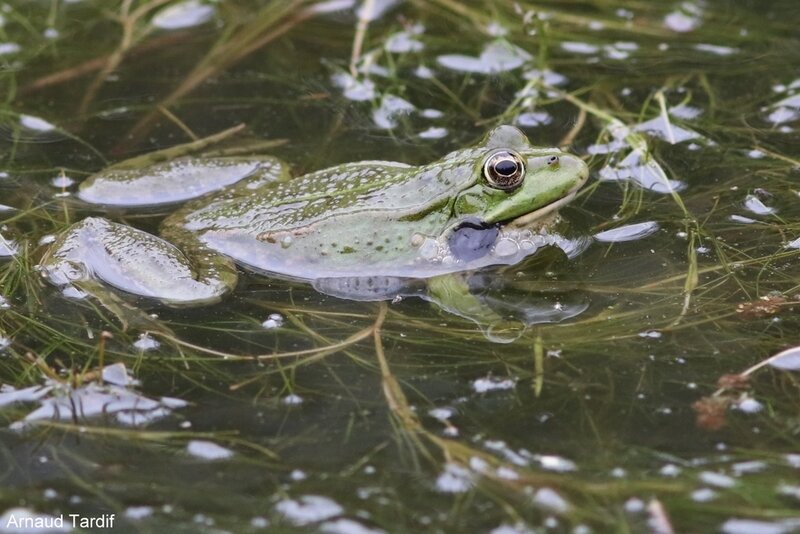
(754, 204)
(114, 397)
(274, 320)
(183, 15)
(685, 111)
(741, 219)
(403, 42)
(641, 169)
(374, 10)
(345, 525)
(308, 509)
(9, 48)
(717, 479)
(208, 450)
(704, 495)
(715, 49)
(355, 89)
(35, 123)
(137, 513)
(552, 462)
(505, 248)
(497, 56)
(576, 47)
(292, 400)
(391, 108)
(72, 292)
(786, 110)
(259, 522)
(62, 181)
(430, 113)
(670, 470)
(687, 18)
(442, 414)
(423, 72)
(454, 479)
(652, 334)
(533, 119)
(491, 383)
(752, 466)
(551, 500)
(495, 29)
(8, 247)
(634, 505)
(749, 405)
(661, 128)
(758, 526)
(433, 133)
(630, 232)
(146, 343)
(548, 77)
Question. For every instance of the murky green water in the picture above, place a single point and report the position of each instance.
(339, 416)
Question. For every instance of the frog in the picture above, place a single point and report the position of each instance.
(368, 230)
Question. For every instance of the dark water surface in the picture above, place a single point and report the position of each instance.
(360, 417)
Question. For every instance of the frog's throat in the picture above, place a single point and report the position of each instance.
(550, 208)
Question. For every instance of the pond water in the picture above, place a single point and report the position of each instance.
(634, 401)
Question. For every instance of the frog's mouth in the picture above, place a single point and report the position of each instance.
(536, 215)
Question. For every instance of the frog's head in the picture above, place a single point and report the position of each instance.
(516, 179)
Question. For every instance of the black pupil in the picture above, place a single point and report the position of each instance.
(506, 167)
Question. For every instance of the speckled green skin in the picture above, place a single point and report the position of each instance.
(369, 217)
(364, 219)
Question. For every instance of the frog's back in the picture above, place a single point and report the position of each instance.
(331, 195)
(334, 222)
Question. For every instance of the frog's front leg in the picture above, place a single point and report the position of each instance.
(451, 293)
(134, 261)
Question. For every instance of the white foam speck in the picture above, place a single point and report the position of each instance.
(347, 526)
(308, 509)
(9, 48)
(484, 385)
(293, 400)
(717, 479)
(454, 479)
(551, 500)
(183, 15)
(630, 232)
(579, 48)
(137, 513)
(35, 123)
(208, 450)
(496, 57)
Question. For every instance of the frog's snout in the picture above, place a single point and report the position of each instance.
(575, 167)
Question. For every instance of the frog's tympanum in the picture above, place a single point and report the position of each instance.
(368, 230)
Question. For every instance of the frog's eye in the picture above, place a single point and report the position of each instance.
(504, 170)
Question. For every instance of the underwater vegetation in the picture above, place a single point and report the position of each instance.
(655, 388)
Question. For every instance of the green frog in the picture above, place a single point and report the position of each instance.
(368, 230)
